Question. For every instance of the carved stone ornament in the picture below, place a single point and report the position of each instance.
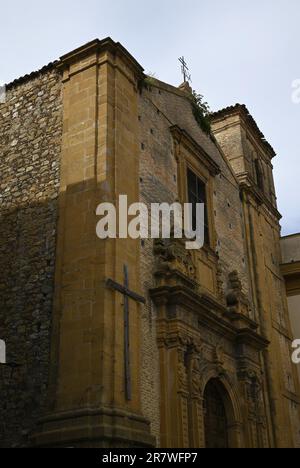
(236, 300)
(172, 255)
(219, 355)
(182, 372)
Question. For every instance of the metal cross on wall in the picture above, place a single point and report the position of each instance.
(128, 294)
(185, 71)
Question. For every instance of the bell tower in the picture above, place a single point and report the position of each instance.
(247, 150)
(250, 157)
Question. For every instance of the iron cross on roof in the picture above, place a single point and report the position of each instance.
(128, 294)
(185, 70)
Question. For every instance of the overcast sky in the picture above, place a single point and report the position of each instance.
(237, 50)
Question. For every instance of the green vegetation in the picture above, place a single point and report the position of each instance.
(201, 112)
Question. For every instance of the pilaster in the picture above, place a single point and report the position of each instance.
(99, 161)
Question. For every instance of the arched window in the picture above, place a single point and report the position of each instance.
(215, 417)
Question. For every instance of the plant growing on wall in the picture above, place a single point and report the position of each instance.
(201, 109)
(149, 80)
(201, 112)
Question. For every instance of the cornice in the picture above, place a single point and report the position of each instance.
(250, 337)
(257, 194)
(211, 314)
(80, 53)
(290, 269)
(243, 112)
(183, 137)
(97, 46)
(290, 236)
(31, 76)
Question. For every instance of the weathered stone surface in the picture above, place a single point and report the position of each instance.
(89, 134)
(30, 143)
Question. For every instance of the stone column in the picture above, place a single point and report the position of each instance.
(183, 400)
(196, 408)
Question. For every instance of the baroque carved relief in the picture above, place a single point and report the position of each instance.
(237, 301)
(253, 388)
(172, 255)
(182, 372)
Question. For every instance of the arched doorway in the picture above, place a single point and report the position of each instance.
(215, 416)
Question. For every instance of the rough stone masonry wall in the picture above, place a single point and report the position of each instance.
(30, 142)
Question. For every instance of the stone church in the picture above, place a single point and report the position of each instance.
(137, 343)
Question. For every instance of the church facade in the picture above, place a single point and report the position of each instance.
(137, 342)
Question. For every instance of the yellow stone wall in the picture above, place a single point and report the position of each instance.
(122, 137)
(99, 162)
(267, 283)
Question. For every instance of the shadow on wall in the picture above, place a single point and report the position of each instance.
(27, 264)
(28, 250)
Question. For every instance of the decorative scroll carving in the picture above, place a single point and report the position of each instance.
(182, 388)
(235, 288)
(219, 355)
(196, 363)
(254, 396)
(182, 372)
(172, 255)
(255, 404)
(176, 339)
(237, 301)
